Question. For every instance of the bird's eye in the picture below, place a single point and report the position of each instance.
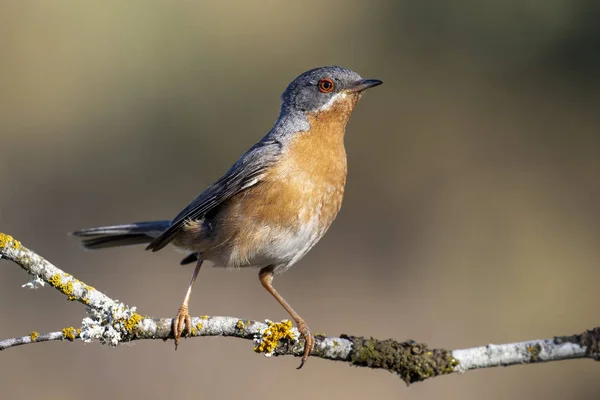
(326, 85)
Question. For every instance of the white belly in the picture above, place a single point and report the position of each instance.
(279, 247)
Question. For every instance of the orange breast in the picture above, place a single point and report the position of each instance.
(296, 201)
(311, 176)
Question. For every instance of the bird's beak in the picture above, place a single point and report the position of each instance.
(364, 84)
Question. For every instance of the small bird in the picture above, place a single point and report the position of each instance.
(274, 204)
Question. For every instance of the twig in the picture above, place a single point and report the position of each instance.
(111, 322)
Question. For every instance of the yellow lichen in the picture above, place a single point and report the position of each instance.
(132, 321)
(240, 325)
(204, 317)
(55, 280)
(85, 287)
(66, 288)
(335, 344)
(534, 351)
(275, 332)
(199, 326)
(6, 240)
(33, 335)
(70, 333)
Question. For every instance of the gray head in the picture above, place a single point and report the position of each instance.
(317, 89)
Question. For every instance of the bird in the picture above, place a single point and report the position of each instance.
(276, 201)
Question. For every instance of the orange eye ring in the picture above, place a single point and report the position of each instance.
(326, 85)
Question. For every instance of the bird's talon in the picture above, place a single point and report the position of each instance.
(188, 325)
(309, 341)
(180, 322)
(301, 363)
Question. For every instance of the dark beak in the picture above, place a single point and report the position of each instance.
(364, 84)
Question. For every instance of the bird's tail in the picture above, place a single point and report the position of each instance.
(121, 235)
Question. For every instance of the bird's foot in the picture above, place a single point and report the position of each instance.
(180, 322)
(309, 341)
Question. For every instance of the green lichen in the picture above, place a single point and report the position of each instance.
(275, 332)
(34, 335)
(412, 361)
(7, 240)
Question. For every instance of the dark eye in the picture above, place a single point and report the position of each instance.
(326, 85)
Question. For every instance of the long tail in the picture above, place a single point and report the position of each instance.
(121, 235)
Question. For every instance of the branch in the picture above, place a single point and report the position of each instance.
(111, 322)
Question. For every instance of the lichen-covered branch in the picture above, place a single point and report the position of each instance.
(111, 322)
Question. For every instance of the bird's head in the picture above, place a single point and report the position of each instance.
(325, 89)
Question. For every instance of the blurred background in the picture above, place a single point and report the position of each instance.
(472, 206)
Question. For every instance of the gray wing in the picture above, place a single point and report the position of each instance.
(246, 172)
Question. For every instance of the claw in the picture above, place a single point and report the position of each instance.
(309, 341)
(180, 322)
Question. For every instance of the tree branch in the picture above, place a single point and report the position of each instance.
(111, 322)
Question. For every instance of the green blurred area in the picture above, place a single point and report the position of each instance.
(471, 213)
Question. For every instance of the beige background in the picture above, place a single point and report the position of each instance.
(472, 206)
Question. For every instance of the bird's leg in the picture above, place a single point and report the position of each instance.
(266, 279)
(182, 319)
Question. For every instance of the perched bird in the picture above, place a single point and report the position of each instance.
(274, 203)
